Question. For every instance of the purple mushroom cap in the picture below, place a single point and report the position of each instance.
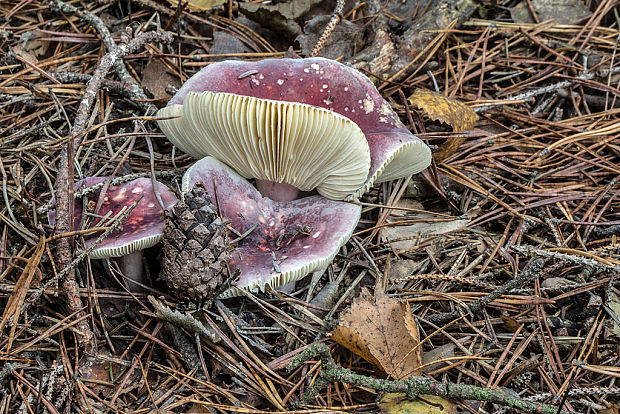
(319, 82)
(285, 241)
(143, 228)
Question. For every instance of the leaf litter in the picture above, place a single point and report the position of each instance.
(535, 178)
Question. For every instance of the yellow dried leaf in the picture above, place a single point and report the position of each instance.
(199, 5)
(426, 404)
(443, 109)
(384, 333)
(447, 110)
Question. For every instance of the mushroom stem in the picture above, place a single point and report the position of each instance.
(277, 191)
(133, 268)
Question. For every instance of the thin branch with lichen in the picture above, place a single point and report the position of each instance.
(130, 85)
(412, 387)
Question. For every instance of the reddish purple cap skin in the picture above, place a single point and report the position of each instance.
(315, 81)
(145, 221)
(331, 223)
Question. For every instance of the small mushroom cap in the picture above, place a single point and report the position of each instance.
(324, 83)
(300, 236)
(284, 142)
(143, 228)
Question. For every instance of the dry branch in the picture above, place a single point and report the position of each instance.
(64, 178)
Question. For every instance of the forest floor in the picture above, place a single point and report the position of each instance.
(529, 195)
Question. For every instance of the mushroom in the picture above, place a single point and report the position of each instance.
(286, 146)
(143, 228)
(281, 241)
(293, 125)
(231, 98)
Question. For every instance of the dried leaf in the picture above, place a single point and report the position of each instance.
(510, 323)
(426, 404)
(441, 352)
(346, 38)
(32, 48)
(447, 110)
(198, 408)
(199, 5)
(280, 16)
(156, 79)
(612, 325)
(562, 11)
(441, 108)
(382, 332)
(408, 236)
(401, 269)
(555, 284)
(611, 409)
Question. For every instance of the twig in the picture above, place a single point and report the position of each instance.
(133, 87)
(114, 224)
(532, 270)
(331, 25)
(107, 85)
(550, 88)
(64, 178)
(184, 321)
(584, 261)
(412, 387)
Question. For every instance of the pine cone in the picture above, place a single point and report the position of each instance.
(195, 249)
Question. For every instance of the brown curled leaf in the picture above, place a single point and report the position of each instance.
(383, 332)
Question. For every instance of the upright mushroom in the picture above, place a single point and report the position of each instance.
(232, 97)
(143, 228)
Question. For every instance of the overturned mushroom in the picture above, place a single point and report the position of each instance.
(234, 98)
(143, 228)
(277, 242)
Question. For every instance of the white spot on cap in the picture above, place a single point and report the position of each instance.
(325, 86)
(255, 81)
(369, 104)
(346, 88)
(150, 205)
(317, 234)
(137, 190)
(315, 66)
(307, 70)
(280, 81)
(385, 109)
(306, 247)
(261, 76)
(346, 108)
